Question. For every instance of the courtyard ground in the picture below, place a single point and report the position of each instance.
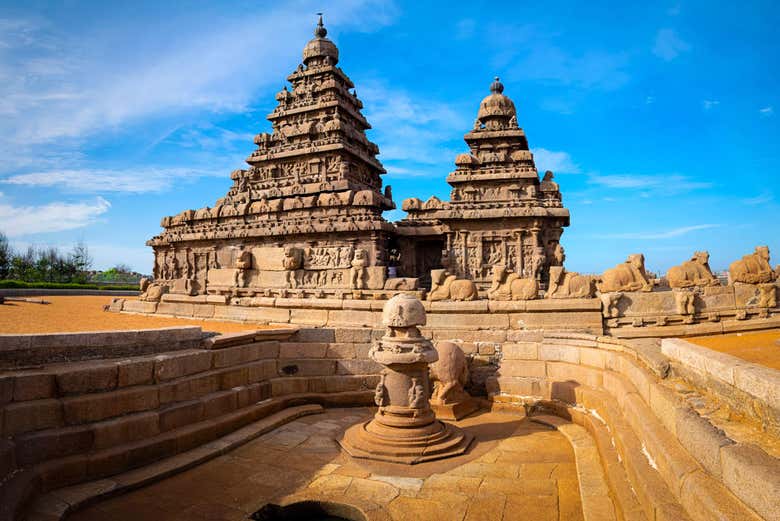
(517, 470)
(761, 347)
(85, 313)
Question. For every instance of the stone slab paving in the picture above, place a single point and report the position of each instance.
(517, 470)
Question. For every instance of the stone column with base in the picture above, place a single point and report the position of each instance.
(404, 429)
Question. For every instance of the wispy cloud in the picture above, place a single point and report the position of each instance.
(412, 129)
(53, 88)
(649, 100)
(668, 45)
(557, 161)
(763, 198)
(766, 111)
(659, 183)
(137, 181)
(668, 234)
(17, 221)
(709, 104)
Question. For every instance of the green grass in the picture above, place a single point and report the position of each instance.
(20, 284)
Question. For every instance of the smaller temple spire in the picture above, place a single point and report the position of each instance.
(320, 31)
(497, 87)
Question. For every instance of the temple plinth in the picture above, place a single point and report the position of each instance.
(404, 429)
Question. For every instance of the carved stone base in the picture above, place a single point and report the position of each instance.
(437, 440)
(454, 411)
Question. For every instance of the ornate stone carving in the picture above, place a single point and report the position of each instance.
(509, 286)
(767, 295)
(445, 286)
(609, 304)
(628, 276)
(404, 429)
(151, 291)
(753, 268)
(357, 271)
(692, 273)
(243, 265)
(449, 374)
(685, 301)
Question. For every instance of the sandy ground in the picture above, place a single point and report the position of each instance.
(85, 313)
(760, 347)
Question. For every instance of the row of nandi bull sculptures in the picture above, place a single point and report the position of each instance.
(627, 276)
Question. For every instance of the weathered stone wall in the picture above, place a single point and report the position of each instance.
(751, 389)
(660, 455)
(65, 423)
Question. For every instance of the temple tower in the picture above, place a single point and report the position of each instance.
(499, 212)
(306, 212)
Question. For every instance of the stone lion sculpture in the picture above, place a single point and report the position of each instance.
(693, 272)
(449, 374)
(151, 291)
(569, 284)
(753, 268)
(509, 286)
(628, 276)
(446, 286)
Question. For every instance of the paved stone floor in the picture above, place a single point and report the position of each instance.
(760, 347)
(517, 470)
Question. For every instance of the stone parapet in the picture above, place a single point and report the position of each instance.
(678, 464)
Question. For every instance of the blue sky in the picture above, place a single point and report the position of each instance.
(660, 120)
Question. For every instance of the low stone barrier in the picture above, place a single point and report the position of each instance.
(660, 455)
(47, 348)
(751, 389)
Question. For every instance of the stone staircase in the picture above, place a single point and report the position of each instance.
(68, 423)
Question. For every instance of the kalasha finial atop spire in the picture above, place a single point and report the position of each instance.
(320, 31)
(497, 87)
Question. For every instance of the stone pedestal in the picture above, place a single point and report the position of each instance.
(404, 429)
(455, 411)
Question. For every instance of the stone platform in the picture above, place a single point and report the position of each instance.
(518, 469)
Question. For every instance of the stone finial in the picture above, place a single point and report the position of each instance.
(497, 87)
(403, 310)
(320, 31)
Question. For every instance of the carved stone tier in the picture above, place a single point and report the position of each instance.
(499, 212)
(404, 429)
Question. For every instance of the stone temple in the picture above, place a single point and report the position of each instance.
(447, 366)
(307, 213)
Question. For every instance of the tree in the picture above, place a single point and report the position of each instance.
(81, 260)
(6, 254)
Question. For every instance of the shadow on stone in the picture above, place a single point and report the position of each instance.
(308, 511)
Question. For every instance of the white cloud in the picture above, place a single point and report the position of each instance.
(649, 100)
(651, 184)
(668, 45)
(709, 104)
(16, 221)
(668, 234)
(763, 198)
(137, 181)
(558, 162)
(411, 129)
(766, 111)
(54, 87)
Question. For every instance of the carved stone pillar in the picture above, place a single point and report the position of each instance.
(404, 429)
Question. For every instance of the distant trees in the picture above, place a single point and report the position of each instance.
(44, 264)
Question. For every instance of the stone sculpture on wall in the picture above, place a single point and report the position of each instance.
(357, 270)
(151, 291)
(685, 301)
(628, 276)
(243, 265)
(445, 286)
(509, 286)
(692, 273)
(753, 268)
(292, 262)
